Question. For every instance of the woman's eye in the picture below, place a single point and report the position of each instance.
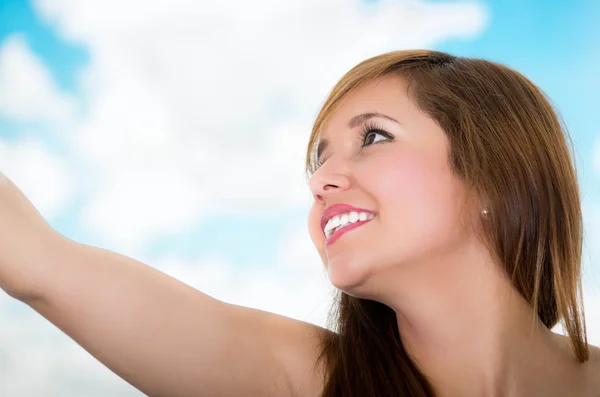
(369, 133)
(372, 134)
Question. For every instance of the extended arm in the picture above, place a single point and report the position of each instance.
(157, 333)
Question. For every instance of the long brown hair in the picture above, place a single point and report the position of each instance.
(508, 144)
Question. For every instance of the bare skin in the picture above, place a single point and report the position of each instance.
(168, 339)
(458, 314)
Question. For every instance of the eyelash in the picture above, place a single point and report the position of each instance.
(367, 128)
(370, 127)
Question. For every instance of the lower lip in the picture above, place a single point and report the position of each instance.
(345, 230)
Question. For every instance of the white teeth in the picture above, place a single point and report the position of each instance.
(344, 219)
(339, 221)
(335, 221)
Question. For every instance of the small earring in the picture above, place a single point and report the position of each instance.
(485, 212)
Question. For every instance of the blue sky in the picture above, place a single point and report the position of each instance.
(228, 222)
(64, 59)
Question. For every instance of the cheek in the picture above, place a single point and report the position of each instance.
(407, 179)
(418, 194)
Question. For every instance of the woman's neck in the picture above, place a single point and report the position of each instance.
(472, 334)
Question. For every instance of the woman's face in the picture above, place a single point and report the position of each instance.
(404, 179)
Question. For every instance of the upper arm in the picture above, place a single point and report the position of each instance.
(169, 339)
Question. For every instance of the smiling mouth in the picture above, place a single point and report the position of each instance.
(341, 221)
(340, 231)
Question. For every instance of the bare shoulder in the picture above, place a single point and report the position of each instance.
(593, 371)
(299, 352)
(587, 374)
(595, 355)
(296, 345)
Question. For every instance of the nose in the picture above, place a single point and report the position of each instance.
(328, 180)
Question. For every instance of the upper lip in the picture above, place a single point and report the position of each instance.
(337, 209)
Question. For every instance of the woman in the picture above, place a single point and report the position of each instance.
(446, 212)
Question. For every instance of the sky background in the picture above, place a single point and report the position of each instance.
(174, 131)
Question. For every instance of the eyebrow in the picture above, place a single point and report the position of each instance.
(353, 123)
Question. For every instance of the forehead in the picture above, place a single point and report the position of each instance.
(385, 95)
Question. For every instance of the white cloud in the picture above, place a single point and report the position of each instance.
(40, 174)
(141, 201)
(219, 97)
(27, 90)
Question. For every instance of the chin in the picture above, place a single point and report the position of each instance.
(348, 275)
(367, 276)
